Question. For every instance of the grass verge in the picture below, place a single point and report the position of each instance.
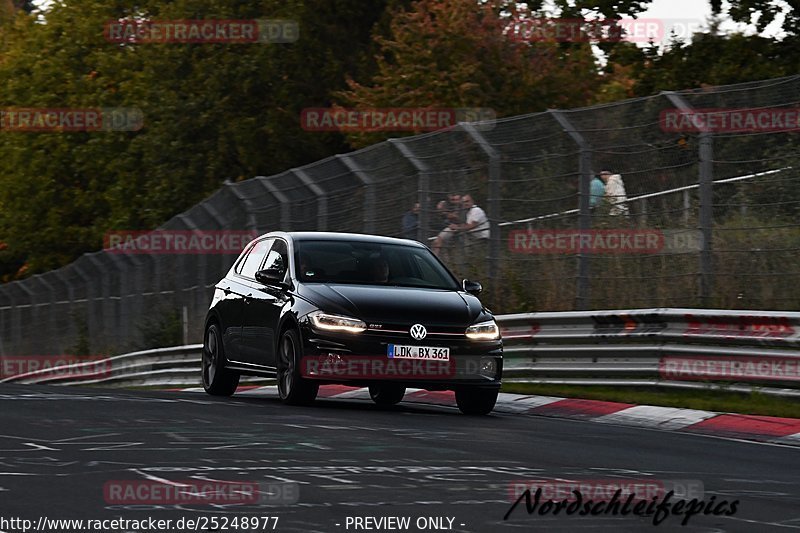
(722, 401)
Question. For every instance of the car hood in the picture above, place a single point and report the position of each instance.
(395, 305)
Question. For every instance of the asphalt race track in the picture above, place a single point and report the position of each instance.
(339, 465)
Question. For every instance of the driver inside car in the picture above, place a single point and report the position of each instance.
(379, 270)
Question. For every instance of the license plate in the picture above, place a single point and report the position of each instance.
(434, 353)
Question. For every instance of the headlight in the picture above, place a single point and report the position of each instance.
(485, 331)
(328, 322)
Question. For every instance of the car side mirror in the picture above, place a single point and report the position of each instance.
(271, 276)
(472, 287)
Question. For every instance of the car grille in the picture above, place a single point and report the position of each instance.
(395, 330)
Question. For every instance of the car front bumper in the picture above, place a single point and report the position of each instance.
(362, 359)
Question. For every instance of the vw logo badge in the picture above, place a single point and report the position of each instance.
(418, 331)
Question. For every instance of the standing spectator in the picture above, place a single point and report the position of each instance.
(411, 222)
(475, 229)
(456, 208)
(615, 193)
(597, 190)
(452, 213)
(442, 218)
(477, 223)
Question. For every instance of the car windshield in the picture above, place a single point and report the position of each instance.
(365, 263)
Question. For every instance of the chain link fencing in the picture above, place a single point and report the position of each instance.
(710, 219)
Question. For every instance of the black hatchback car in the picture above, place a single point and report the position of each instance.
(314, 308)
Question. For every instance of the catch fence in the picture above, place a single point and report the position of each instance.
(711, 221)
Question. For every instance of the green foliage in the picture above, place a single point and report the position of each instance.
(81, 345)
(161, 328)
(762, 13)
(452, 53)
(211, 112)
(711, 60)
(231, 111)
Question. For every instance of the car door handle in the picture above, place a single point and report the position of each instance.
(248, 298)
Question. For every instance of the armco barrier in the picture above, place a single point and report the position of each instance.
(683, 348)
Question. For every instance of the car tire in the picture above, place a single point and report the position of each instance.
(293, 388)
(217, 380)
(475, 400)
(387, 393)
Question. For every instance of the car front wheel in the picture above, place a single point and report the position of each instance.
(217, 380)
(293, 388)
(387, 393)
(475, 400)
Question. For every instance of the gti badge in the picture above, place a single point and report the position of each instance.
(418, 331)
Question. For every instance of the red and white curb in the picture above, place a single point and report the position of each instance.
(747, 427)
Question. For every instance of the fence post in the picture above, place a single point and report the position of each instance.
(583, 287)
(41, 309)
(209, 276)
(423, 188)
(369, 191)
(23, 343)
(189, 292)
(185, 325)
(252, 222)
(6, 322)
(126, 266)
(322, 198)
(643, 213)
(5, 311)
(16, 321)
(282, 199)
(107, 318)
(706, 216)
(59, 273)
(687, 206)
(706, 193)
(493, 202)
(91, 292)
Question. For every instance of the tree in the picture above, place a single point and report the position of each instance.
(762, 13)
(211, 112)
(456, 54)
(709, 60)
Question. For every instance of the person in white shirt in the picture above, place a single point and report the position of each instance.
(476, 225)
(615, 193)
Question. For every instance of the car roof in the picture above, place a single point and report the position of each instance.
(332, 236)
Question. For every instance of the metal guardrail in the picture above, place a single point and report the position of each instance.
(680, 348)
(674, 348)
(161, 366)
